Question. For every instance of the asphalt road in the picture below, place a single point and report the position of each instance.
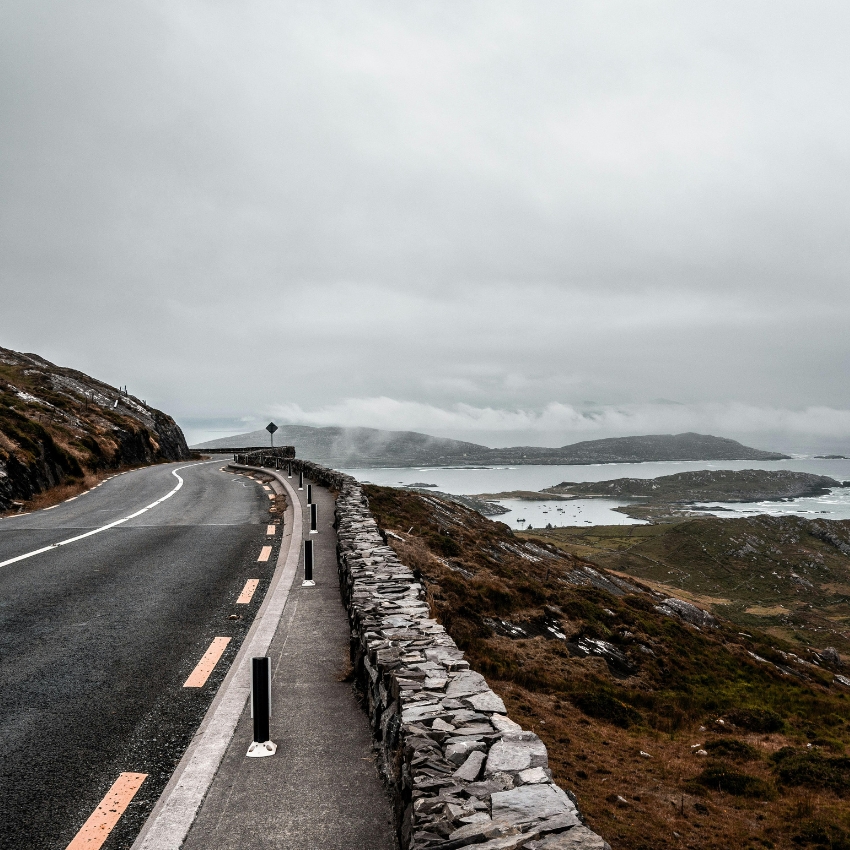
(98, 636)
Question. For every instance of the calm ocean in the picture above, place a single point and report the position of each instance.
(578, 512)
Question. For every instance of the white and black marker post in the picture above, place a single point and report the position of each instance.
(290, 470)
(301, 480)
(308, 565)
(309, 494)
(314, 518)
(261, 708)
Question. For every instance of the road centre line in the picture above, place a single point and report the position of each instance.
(108, 525)
(248, 591)
(270, 530)
(102, 820)
(172, 817)
(198, 677)
(264, 553)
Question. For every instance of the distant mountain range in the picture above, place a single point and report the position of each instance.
(361, 447)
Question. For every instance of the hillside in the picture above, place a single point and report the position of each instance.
(652, 447)
(706, 485)
(786, 575)
(363, 447)
(674, 730)
(349, 447)
(60, 428)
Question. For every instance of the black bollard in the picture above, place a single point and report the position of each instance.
(314, 518)
(261, 708)
(309, 494)
(308, 565)
(290, 470)
(301, 480)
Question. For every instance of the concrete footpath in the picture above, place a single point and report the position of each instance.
(321, 789)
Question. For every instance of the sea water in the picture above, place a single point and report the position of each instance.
(583, 512)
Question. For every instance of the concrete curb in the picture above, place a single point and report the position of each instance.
(172, 817)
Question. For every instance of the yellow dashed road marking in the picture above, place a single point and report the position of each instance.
(264, 553)
(102, 821)
(248, 591)
(198, 677)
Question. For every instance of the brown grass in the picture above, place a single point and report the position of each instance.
(692, 679)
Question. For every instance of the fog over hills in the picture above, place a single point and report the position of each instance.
(352, 447)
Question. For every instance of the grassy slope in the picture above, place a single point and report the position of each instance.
(481, 579)
(788, 575)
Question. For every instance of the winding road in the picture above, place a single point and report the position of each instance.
(99, 635)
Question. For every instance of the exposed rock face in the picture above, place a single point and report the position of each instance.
(56, 424)
(461, 773)
(673, 607)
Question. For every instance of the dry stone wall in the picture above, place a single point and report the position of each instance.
(461, 773)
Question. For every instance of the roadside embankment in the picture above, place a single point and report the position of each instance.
(62, 428)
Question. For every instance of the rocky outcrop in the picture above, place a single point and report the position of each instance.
(460, 772)
(705, 485)
(58, 424)
(673, 607)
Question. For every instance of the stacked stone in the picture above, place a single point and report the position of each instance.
(461, 772)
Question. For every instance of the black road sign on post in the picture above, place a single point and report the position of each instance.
(271, 428)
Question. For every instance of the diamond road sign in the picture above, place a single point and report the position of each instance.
(271, 427)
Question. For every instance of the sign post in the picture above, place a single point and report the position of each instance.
(271, 428)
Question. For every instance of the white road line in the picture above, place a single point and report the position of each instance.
(172, 817)
(108, 525)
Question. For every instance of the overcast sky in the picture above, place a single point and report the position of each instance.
(505, 222)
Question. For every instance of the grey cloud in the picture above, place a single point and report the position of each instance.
(236, 207)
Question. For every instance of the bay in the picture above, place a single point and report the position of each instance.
(470, 481)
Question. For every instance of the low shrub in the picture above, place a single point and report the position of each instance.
(812, 769)
(756, 719)
(821, 834)
(731, 748)
(604, 706)
(444, 544)
(719, 777)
